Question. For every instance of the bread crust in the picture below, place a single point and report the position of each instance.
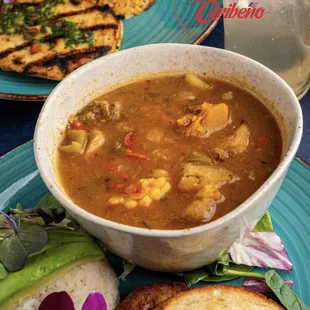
(218, 298)
(152, 296)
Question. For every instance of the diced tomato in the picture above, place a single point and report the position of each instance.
(182, 153)
(111, 168)
(219, 84)
(124, 176)
(2, 11)
(118, 187)
(35, 48)
(129, 139)
(34, 30)
(111, 158)
(137, 156)
(261, 142)
(76, 124)
(148, 82)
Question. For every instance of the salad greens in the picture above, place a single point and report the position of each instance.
(284, 293)
(264, 225)
(24, 232)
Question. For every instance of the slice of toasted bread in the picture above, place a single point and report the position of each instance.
(150, 297)
(220, 297)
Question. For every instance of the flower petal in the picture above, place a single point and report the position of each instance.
(95, 301)
(262, 249)
(260, 286)
(59, 301)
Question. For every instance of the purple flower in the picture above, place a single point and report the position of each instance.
(95, 301)
(262, 249)
(62, 301)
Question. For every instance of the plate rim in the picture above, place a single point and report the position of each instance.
(33, 98)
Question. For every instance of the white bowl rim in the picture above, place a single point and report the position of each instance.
(71, 206)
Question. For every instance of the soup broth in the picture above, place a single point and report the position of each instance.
(168, 152)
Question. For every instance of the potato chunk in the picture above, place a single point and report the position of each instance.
(206, 120)
(96, 140)
(203, 206)
(238, 141)
(196, 81)
(195, 177)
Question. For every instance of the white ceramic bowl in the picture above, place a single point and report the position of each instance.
(167, 250)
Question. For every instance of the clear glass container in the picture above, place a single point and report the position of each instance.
(279, 39)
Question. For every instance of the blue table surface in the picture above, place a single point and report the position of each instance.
(18, 118)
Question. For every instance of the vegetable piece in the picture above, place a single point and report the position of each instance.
(128, 268)
(185, 95)
(137, 156)
(261, 142)
(155, 135)
(218, 116)
(96, 140)
(60, 301)
(260, 285)
(265, 224)
(128, 141)
(157, 173)
(35, 48)
(3, 272)
(130, 203)
(208, 119)
(203, 207)
(263, 249)
(79, 136)
(78, 139)
(228, 96)
(195, 177)
(15, 248)
(284, 293)
(143, 193)
(238, 141)
(193, 277)
(116, 200)
(74, 147)
(193, 80)
(200, 157)
(76, 124)
(95, 301)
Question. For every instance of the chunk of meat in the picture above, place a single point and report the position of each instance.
(219, 154)
(208, 119)
(101, 110)
(203, 206)
(238, 141)
(195, 177)
(96, 140)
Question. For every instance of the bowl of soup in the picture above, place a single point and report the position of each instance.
(168, 153)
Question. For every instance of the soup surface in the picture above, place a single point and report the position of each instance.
(169, 152)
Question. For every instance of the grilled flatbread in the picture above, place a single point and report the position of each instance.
(55, 49)
(51, 38)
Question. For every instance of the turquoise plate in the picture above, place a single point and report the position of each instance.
(20, 182)
(168, 21)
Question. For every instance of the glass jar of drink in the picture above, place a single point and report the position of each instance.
(278, 37)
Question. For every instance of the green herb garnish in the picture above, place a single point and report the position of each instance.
(18, 242)
(71, 33)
